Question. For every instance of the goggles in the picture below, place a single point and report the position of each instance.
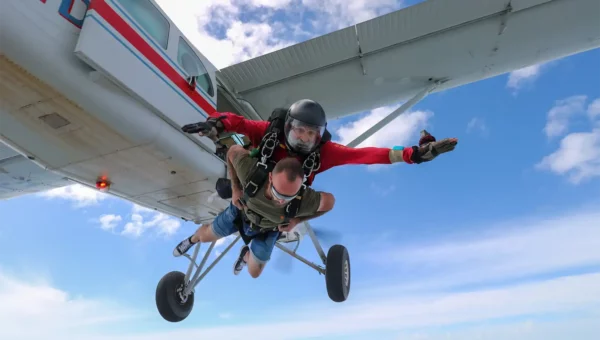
(279, 196)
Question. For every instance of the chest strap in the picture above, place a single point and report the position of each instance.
(260, 173)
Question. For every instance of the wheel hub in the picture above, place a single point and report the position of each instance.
(181, 294)
(346, 273)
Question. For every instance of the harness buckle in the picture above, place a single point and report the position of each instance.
(262, 163)
(254, 185)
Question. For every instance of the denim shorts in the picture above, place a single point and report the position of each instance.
(261, 248)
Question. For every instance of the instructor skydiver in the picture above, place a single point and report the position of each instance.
(303, 132)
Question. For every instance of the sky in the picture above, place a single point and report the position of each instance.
(498, 239)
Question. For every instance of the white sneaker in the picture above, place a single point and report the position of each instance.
(240, 263)
(183, 247)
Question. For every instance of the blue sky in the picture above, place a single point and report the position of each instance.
(497, 239)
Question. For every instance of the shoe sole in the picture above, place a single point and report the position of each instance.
(242, 254)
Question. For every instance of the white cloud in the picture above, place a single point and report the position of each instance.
(225, 241)
(561, 112)
(144, 219)
(477, 124)
(243, 40)
(336, 14)
(578, 156)
(593, 109)
(251, 40)
(403, 130)
(567, 295)
(502, 252)
(33, 309)
(109, 222)
(525, 76)
(80, 195)
(425, 311)
(585, 328)
(277, 4)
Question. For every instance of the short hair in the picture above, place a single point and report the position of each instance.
(291, 166)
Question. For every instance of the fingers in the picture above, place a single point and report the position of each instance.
(238, 204)
(284, 228)
(445, 145)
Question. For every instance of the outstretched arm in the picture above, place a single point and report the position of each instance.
(334, 154)
(253, 129)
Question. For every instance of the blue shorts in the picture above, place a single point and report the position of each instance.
(261, 248)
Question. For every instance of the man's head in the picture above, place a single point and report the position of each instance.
(304, 126)
(285, 180)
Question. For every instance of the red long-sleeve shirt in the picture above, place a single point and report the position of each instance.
(332, 154)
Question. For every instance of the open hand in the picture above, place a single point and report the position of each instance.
(429, 148)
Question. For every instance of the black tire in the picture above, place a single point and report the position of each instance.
(168, 301)
(337, 277)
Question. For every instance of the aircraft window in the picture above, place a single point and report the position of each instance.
(150, 18)
(187, 58)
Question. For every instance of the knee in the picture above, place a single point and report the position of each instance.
(255, 271)
(205, 233)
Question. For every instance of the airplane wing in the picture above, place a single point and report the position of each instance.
(20, 176)
(393, 57)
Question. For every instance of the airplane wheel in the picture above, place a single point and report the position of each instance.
(171, 305)
(337, 273)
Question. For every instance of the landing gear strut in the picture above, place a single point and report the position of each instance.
(175, 291)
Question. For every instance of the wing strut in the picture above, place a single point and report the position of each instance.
(385, 121)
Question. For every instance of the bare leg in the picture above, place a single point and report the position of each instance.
(256, 254)
(204, 234)
(254, 268)
(222, 225)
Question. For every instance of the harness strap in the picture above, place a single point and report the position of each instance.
(259, 173)
(238, 222)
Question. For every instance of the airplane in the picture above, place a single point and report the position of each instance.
(95, 92)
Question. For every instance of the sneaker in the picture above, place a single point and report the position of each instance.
(240, 263)
(183, 247)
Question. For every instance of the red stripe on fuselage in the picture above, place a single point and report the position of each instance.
(121, 26)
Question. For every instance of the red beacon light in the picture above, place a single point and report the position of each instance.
(102, 184)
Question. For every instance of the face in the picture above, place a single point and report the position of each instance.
(304, 133)
(303, 137)
(281, 190)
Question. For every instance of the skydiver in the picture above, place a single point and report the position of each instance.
(304, 132)
(262, 214)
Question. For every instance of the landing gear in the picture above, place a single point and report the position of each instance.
(336, 270)
(173, 305)
(175, 291)
(337, 273)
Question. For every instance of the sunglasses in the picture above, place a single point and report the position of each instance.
(281, 196)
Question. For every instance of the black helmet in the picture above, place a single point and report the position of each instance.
(305, 125)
